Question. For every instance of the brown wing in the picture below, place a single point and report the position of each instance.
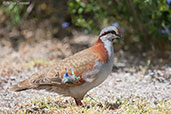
(69, 71)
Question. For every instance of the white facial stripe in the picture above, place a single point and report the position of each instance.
(108, 45)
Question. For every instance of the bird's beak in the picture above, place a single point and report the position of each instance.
(118, 36)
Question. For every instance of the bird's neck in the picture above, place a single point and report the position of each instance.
(104, 49)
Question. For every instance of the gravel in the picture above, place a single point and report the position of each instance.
(132, 77)
(152, 85)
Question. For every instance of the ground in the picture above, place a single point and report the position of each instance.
(136, 84)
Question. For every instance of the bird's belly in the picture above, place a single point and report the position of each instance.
(101, 77)
(80, 91)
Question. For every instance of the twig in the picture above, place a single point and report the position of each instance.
(29, 10)
(92, 98)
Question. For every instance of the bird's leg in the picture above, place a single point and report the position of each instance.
(78, 102)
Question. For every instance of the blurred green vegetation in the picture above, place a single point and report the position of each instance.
(13, 12)
(144, 22)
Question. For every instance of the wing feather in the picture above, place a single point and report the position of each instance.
(72, 71)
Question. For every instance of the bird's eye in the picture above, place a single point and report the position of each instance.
(113, 32)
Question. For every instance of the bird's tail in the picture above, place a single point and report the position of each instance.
(23, 85)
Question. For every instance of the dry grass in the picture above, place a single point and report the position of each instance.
(54, 105)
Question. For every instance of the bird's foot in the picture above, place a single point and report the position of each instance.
(78, 102)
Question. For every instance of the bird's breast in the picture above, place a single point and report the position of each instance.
(105, 70)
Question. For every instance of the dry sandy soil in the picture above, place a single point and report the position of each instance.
(131, 75)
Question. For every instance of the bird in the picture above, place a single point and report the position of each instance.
(75, 75)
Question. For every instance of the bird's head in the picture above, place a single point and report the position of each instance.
(104, 44)
(109, 34)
